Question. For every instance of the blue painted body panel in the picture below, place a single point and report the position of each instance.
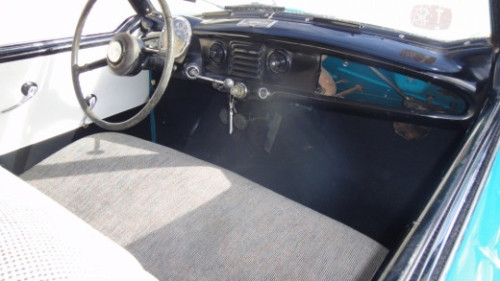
(348, 74)
(478, 257)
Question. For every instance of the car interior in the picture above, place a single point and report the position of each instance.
(264, 146)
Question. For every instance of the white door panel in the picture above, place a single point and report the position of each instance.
(54, 109)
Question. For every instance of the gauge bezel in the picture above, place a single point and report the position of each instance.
(286, 63)
(189, 34)
(222, 47)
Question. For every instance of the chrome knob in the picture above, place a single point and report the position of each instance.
(192, 71)
(264, 93)
(228, 83)
(239, 91)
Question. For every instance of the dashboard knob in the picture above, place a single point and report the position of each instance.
(278, 61)
(228, 83)
(239, 90)
(264, 93)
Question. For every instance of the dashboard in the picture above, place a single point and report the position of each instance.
(263, 60)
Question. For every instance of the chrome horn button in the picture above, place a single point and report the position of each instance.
(115, 52)
(125, 55)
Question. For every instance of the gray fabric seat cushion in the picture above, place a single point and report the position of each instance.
(185, 219)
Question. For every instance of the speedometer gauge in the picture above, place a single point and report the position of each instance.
(182, 36)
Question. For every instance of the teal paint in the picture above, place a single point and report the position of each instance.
(348, 74)
(478, 256)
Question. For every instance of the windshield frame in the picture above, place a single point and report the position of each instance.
(145, 7)
(495, 22)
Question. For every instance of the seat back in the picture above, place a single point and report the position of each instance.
(41, 240)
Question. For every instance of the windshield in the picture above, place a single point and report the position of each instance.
(443, 20)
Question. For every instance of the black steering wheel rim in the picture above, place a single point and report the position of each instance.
(166, 41)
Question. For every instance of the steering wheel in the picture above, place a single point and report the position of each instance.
(123, 57)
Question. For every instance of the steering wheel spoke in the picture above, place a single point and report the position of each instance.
(151, 50)
(92, 65)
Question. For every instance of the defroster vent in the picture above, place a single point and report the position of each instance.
(246, 60)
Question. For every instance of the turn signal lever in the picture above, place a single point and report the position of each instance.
(193, 73)
(238, 90)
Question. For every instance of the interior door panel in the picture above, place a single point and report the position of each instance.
(54, 109)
